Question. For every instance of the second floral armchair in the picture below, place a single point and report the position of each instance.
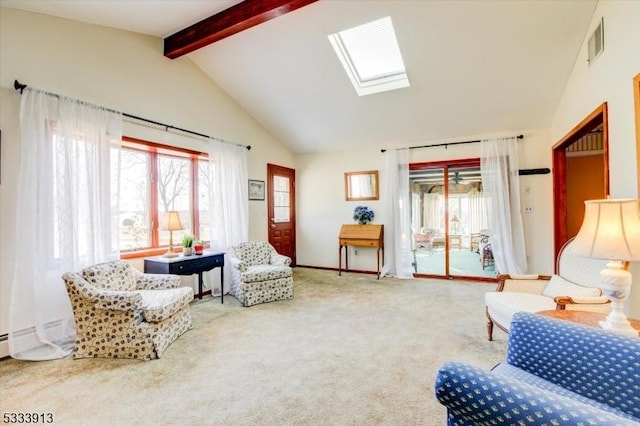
(259, 274)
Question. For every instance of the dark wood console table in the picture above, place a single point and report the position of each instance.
(361, 236)
(188, 265)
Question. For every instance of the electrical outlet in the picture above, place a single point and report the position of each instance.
(528, 209)
(355, 252)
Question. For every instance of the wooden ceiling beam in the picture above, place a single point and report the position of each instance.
(231, 21)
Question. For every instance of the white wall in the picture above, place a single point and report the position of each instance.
(609, 79)
(124, 71)
(322, 208)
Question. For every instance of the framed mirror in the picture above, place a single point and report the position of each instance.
(361, 185)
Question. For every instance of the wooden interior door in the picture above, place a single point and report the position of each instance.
(281, 210)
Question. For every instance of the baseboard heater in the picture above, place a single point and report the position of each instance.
(29, 330)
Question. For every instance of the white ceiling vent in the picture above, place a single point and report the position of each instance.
(596, 42)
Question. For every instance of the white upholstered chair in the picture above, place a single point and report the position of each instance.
(123, 313)
(575, 286)
(259, 274)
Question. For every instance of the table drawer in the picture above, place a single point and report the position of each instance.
(195, 265)
(359, 243)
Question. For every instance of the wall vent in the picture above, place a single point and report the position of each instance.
(596, 42)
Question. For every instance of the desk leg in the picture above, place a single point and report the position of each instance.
(346, 258)
(340, 261)
(222, 285)
(199, 285)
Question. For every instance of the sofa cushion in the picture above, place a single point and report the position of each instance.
(558, 286)
(515, 373)
(265, 272)
(158, 305)
(502, 305)
(115, 275)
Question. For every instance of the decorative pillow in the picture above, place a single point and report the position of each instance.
(558, 286)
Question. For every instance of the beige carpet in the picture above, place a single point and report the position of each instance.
(347, 350)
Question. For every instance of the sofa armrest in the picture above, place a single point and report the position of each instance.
(279, 260)
(118, 300)
(533, 284)
(475, 396)
(155, 281)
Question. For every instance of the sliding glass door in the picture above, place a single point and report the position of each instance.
(449, 220)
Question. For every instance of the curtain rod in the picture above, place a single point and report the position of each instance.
(446, 144)
(20, 87)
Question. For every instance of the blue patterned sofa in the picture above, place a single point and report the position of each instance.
(556, 373)
(259, 274)
(122, 313)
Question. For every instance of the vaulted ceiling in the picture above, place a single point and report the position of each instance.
(475, 67)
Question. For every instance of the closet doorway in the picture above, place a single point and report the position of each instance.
(449, 224)
(580, 172)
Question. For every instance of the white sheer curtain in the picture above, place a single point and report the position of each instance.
(397, 206)
(499, 169)
(229, 212)
(431, 212)
(65, 215)
(478, 219)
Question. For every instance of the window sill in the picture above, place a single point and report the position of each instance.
(147, 252)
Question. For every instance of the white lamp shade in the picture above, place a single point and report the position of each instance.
(610, 230)
(171, 221)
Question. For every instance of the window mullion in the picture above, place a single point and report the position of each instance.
(153, 199)
(195, 202)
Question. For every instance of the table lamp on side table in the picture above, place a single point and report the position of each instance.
(611, 230)
(171, 222)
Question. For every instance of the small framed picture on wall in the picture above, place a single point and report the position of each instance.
(256, 189)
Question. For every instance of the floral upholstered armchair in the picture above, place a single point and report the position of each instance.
(259, 273)
(123, 313)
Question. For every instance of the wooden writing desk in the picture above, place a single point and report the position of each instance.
(361, 236)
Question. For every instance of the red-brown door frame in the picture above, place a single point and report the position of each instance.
(273, 169)
(593, 120)
(445, 165)
(636, 97)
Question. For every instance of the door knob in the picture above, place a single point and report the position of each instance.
(273, 225)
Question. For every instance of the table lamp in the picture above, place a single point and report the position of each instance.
(455, 221)
(171, 222)
(611, 230)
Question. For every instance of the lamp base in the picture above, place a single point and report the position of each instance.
(170, 253)
(616, 285)
(619, 328)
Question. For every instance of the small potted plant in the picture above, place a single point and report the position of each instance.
(363, 215)
(187, 245)
(198, 247)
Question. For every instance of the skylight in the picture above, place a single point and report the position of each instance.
(371, 57)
